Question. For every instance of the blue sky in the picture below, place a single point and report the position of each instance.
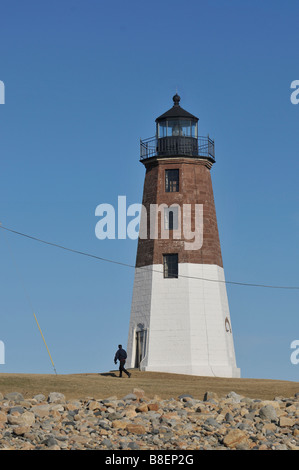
(84, 80)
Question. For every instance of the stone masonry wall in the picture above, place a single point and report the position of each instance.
(195, 187)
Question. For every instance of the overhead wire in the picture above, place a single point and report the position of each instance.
(120, 263)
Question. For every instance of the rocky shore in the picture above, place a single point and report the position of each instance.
(135, 422)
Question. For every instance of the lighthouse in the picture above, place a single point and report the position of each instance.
(180, 320)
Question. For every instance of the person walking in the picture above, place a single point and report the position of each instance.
(121, 356)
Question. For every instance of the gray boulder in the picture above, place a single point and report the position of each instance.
(268, 412)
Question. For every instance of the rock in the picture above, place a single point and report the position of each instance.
(105, 424)
(26, 446)
(73, 405)
(14, 396)
(286, 422)
(234, 438)
(133, 446)
(184, 396)
(21, 430)
(50, 441)
(41, 410)
(119, 424)
(39, 398)
(268, 412)
(246, 400)
(138, 392)
(234, 397)
(212, 422)
(282, 447)
(153, 406)
(269, 427)
(137, 423)
(135, 428)
(292, 446)
(56, 397)
(113, 416)
(210, 396)
(273, 403)
(56, 407)
(130, 413)
(229, 417)
(94, 405)
(16, 409)
(143, 408)
(250, 416)
(243, 446)
(27, 418)
(263, 447)
(107, 443)
(110, 400)
(130, 396)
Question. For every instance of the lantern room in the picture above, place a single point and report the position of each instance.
(176, 131)
(176, 122)
(177, 135)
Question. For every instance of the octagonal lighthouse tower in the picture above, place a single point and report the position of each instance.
(180, 320)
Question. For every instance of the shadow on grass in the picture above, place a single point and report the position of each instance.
(108, 374)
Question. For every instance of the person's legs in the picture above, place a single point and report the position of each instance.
(122, 369)
(125, 370)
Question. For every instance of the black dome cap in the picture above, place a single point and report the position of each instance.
(176, 111)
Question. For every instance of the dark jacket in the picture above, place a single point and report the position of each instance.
(120, 355)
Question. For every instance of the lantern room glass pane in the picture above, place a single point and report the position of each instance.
(162, 129)
(173, 128)
(185, 128)
(194, 130)
(178, 127)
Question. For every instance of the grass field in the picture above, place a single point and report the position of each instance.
(164, 385)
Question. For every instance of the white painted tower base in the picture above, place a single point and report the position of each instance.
(184, 323)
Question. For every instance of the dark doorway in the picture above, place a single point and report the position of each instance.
(140, 347)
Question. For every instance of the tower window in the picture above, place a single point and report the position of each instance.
(170, 265)
(171, 181)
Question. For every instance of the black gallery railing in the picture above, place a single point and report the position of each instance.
(177, 145)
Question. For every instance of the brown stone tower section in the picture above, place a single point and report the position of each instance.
(195, 187)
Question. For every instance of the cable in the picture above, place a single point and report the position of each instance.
(145, 267)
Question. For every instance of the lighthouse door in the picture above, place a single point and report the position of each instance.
(140, 347)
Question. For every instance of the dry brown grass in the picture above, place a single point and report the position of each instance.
(153, 383)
